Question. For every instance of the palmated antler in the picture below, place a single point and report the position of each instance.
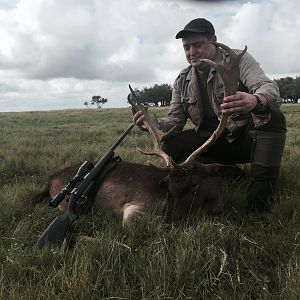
(152, 126)
(230, 73)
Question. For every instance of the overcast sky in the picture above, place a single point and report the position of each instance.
(57, 54)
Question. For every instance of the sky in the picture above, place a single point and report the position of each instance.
(57, 54)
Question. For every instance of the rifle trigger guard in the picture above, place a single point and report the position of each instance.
(83, 199)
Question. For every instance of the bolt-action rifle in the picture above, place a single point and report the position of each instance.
(86, 174)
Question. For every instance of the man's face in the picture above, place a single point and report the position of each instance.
(196, 47)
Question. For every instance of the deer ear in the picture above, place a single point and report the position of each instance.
(216, 169)
(209, 169)
(229, 171)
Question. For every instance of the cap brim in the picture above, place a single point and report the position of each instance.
(183, 33)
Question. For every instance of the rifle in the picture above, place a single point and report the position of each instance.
(58, 228)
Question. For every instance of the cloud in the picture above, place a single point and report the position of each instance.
(85, 40)
(8, 4)
(272, 39)
(64, 52)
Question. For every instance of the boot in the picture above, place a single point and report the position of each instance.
(261, 189)
(266, 154)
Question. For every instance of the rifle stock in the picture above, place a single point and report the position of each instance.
(58, 228)
(55, 232)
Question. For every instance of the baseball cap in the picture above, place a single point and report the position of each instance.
(199, 25)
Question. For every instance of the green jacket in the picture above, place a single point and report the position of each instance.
(187, 105)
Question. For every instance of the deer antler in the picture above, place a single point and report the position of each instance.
(151, 124)
(229, 72)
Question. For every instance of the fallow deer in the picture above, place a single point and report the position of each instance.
(129, 189)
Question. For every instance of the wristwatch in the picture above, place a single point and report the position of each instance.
(259, 105)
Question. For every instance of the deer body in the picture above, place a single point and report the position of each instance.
(130, 189)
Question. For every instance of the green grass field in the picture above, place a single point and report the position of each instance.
(236, 256)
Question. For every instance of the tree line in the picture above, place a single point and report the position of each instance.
(289, 89)
(157, 95)
(161, 94)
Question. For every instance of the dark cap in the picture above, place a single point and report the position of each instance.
(199, 25)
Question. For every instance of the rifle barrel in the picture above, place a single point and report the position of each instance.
(121, 138)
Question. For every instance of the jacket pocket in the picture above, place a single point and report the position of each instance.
(219, 94)
(192, 109)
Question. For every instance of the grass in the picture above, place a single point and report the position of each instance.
(236, 256)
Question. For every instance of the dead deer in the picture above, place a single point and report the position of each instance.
(129, 189)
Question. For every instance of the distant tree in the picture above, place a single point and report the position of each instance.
(86, 104)
(98, 101)
(157, 95)
(289, 88)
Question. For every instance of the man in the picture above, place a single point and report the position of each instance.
(256, 129)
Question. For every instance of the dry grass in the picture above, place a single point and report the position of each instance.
(236, 256)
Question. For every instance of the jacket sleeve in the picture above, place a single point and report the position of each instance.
(176, 115)
(254, 78)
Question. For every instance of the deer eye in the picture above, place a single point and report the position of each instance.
(194, 186)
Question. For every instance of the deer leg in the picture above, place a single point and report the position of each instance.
(131, 211)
